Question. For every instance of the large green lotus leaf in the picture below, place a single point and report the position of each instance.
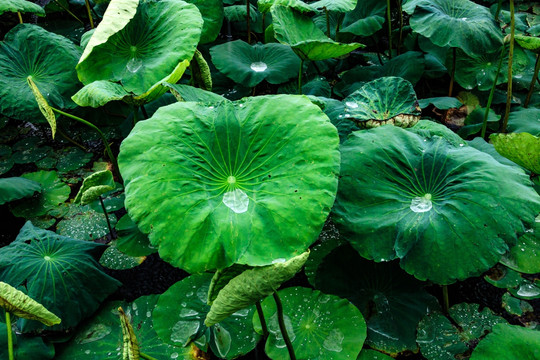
(227, 174)
(236, 13)
(308, 41)
(458, 23)
(54, 192)
(366, 19)
(335, 5)
(298, 5)
(392, 301)
(250, 64)
(101, 337)
(60, 273)
(25, 347)
(131, 240)
(212, 14)
(387, 99)
(443, 339)
(523, 257)
(189, 93)
(509, 342)
(525, 120)
(147, 49)
(48, 59)
(99, 93)
(521, 148)
(222, 277)
(319, 326)
(21, 6)
(251, 286)
(179, 320)
(15, 188)
(430, 203)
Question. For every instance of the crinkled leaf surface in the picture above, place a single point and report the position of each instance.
(298, 5)
(147, 49)
(509, 342)
(15, 188)
(227, 174)
(525, 120)
(440, 339)
(21, 305)
(22, 6)
(102, 180)
(523, 257)
(366, 19)
(430, 203)
(179, 319)
(60, 273)
(309, 42)
(250, 64)
(319, 326)
(529, 42)
(458, 23)
(522, 148)
(48, 59)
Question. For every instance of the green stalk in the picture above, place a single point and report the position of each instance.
(248, 11)
(389, 19)
(446, 301)
(510, 61)
(327, 22)
(300, 76)
(453, 72)
(264, 27)
(260, 313)
(146, 357)
(69, 12)
(282, 327)
(498, 11)
(491, 93)
(535, 75)
(145, 114)
(20, 17)
(9, 336)
(113, 235)
(89, 13)
(135, 110)
(400, 40)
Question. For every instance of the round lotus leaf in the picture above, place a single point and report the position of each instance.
(15, 188)
(366, 19)
(319, 326)
(515, 306)
(29, 150)
(101, 337)
(212, 14)
(442, 339)
(231, 172)
(387, 100)
(21, 6)
(430, 203)
(131, 240)
(523, 257)
(29, 51)
(393, 301)
(521, 148)
(56, 271)
(179, 319)
(250, 64)
(525, 120)
(72, 158)
(147, 49)
(85, 225)
(460, 23)
(53, 192)
(509, 342)
(514, 282)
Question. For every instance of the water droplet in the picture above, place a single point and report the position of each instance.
(258, 66)
(273, 327)
(279, 261)
(202, 294)
(223, 340)
(47, 257)
(351, 104)
(236, 200)
(133, 65)
(242, 313)
(148, 314)
(183, 330)
(134, 306)
(174, 355)
(528, 290)
(421, 204)
(187, 313)
(463, 19)
(334, 341)
(87, 352)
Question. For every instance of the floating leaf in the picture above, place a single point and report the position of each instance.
(21, 305)
(523, 257)
(514, 282)
(428, 129)
(15, 188)
(114, 259)
(521, 148)
(442, 103)
(85, 224)
(515, 306)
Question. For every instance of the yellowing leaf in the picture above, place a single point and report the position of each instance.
(44, 107)
(130, 343)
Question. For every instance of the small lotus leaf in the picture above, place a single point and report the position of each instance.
(514, 282)
(420, 199)
(6, 161)
(474, 122)
(319, 326)
(251, 286)
(19, 304)
(508, 342)
(94, 186)
(308, 41)
(131, 240)
(21, 6)
(521, 148)
(15, 188)
(250, 64)
(515, 306)
(366, 19)
(523, 257)
(85, 224)
(236, 13)
(214, 168)
(479, 70)
(114, 259)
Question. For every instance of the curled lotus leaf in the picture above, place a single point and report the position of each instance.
(130, 345)
(23, 306)
(227, 173)
(430, 203)
(94, 186)
(387, 100)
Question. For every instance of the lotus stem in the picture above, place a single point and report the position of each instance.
(248, 12)
(65, 136)
(491, 93)
(510, 61)
(498, 11)
(9, 336)
(453, 72)
(533, 80)
(282, 327)
(20, 17)
(389, 19)
(135, 110)
(446, 301)
(261, 319)
(327, 22)
(87, 2)
(145, 114)
(264, 28)
(400, 40)
(300, 76)
(69, 12)
(113, 234)
(146, 357)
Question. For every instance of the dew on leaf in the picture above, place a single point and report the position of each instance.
(223, 340)
(421, 204)
(258, 66)
(528, 290)
(236, 200)
(183, 330)
(133, 65)
(334, 341)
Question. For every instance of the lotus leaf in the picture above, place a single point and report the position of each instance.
(101, 337)
(480, 144)
(60, 273)
(392, 301)
(15, 188)
(180, 324)
(508, 342)
(239, 13)
(525, 120)
(334, 110)
(222, 278)
(521, 148)
(20, 305)
(30, 52)
(43, 105)
(21, 6)
(85, 224)
(306, 39)
(146, 50)
(212, 14)
(249, 65)
(523, 257)
(366, 18)
(474, 121)
(429, 129)
(335, 5)
(130, 345)
(94, 186)
(131, 240)
(99, 93)
(478, 70)
(319, 326)
(387, 100)
(426, 202)
(6, 162)
(459, 23)
(529, 42)
(230, 172)
(514, 282)
(515, 306)
(443, 339)
(443, 103)
(29, 150)
(298, 5)
(114, 259)
(251, 286)
(189, 93)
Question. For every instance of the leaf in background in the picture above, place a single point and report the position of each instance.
(15, 188)
(21, 305)
(21, 6)
(366, 19)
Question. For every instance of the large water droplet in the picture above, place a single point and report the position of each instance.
(236, 200)
(421, 204)
(186, 312)
(134, 65)
(528, 290)
(223, 340)
(334, 341)
(258, 66)
(351, 104)
(182, 331)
